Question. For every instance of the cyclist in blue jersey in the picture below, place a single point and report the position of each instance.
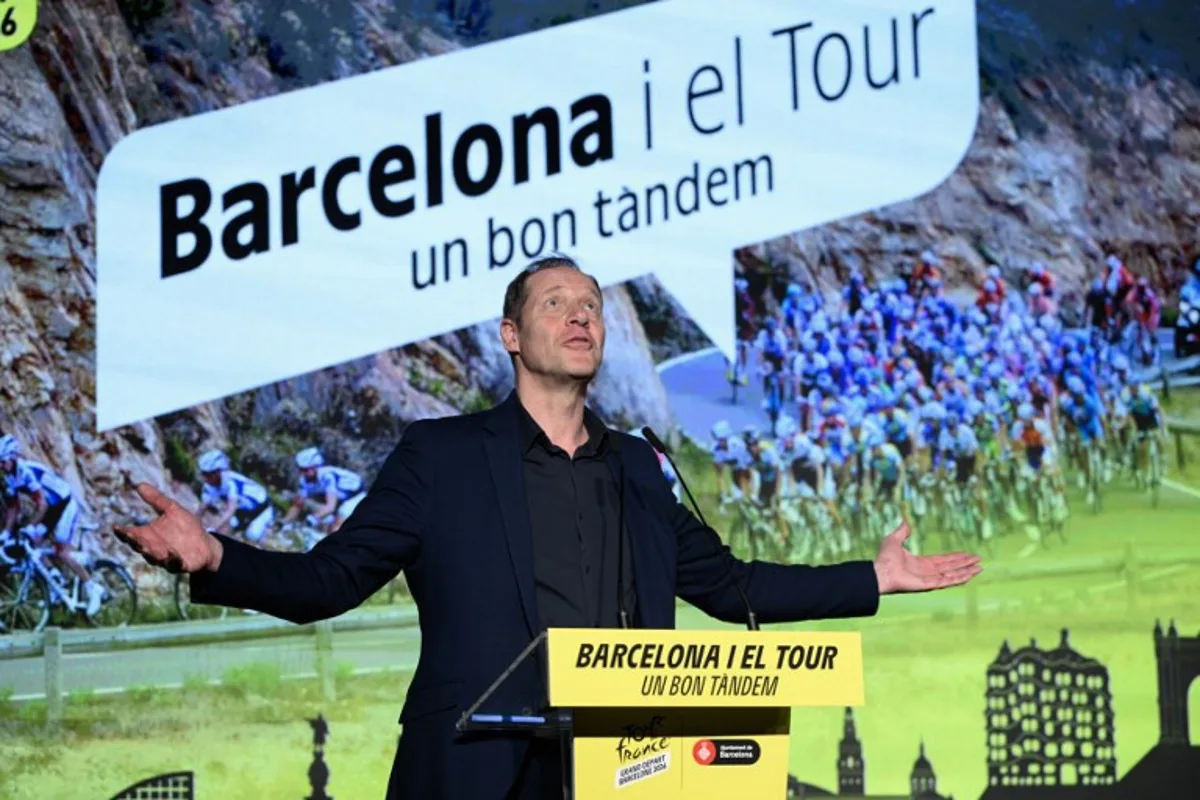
(1147, 419)
(961, 444)
(233, 500)
(765, 466)
(1087, 416)
(55, 511)
(772, 357)
(333, 491)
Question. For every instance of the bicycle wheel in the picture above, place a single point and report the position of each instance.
(1154, 463)
(24, 601)
(184, 607)
(120, 596)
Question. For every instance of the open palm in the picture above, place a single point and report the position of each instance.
(898, 570)
(175, 541)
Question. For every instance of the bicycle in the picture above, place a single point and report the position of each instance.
(1153, 468)
(32, 586)
(1095, 481)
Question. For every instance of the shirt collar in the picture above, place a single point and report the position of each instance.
(532, 433)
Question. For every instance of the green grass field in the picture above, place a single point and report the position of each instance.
(926, 660)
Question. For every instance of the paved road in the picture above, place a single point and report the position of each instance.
(700, 393)
(391, 648)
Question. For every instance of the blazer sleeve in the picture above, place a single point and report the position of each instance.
(381, 537)
(777, 592)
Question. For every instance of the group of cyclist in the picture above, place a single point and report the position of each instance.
(890, 393)
(1124, 306)
(230, 503)
(894, 395)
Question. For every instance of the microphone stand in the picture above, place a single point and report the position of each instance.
(659, 446)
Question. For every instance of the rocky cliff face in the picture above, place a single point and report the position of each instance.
(1074, 155)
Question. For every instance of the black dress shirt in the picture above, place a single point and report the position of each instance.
(574, 515)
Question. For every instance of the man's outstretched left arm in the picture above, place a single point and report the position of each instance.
(777, 592)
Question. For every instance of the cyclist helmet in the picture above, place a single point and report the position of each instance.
(750, 434)
(309, 457)
(9, 447)
(1025, 411)
(722, 430)
(213, 461)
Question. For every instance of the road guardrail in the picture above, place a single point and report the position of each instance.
(165, 634)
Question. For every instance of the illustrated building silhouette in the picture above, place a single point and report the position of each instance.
(1049, 718)
(851, 772)
(1178, 665)
(168, 786)
(1168, 771)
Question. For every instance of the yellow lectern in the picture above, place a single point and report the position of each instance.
(683, 714)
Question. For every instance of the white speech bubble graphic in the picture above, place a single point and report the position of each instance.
(788, 125)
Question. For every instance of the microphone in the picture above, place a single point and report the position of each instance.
(658, 445)
(622, 613)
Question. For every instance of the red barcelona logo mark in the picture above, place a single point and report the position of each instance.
(704, 751)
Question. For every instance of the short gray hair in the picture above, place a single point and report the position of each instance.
(518, 289)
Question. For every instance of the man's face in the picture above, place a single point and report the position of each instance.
(212, 478)
(560, 333)
(8, 465)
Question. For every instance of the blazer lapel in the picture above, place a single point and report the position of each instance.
(503, 451)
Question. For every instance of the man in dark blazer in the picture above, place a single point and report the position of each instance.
(505, 522)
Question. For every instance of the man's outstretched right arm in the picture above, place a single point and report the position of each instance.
(379, 539)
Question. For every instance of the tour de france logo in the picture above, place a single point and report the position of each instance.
(17, 21)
